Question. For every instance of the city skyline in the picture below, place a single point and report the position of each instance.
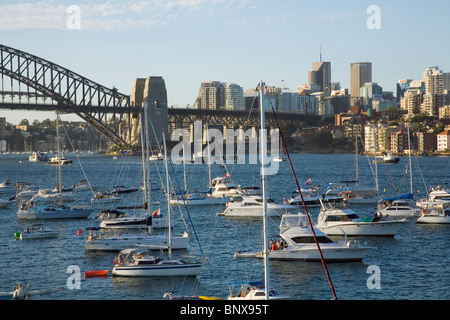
(188, 42)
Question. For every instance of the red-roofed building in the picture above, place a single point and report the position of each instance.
(443, 140)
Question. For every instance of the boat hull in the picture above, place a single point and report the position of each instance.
(54, 214)
(441, 219)
(38, 235)
(182, 270)
(232, 211)
(388, 228)
(117, 243)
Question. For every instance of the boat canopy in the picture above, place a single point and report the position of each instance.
(405, 196)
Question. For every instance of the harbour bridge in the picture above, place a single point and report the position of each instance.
(28, 82)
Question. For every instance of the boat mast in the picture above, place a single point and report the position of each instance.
(356, 158)
(169, 247)
(375, 156)
(147, 148)
(59, 154)
(263, 155)
(410, 168)
(144, 154)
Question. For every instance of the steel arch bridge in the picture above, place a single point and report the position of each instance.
(29, 82)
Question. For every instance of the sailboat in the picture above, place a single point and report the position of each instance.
(263, 291)
(99, 241)
(56, 209)
(137, 264)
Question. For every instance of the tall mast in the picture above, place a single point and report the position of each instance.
(168, 196)
(263, 155)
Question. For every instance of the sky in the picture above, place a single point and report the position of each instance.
(187, 42)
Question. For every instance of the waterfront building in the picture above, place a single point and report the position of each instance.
(211, 95)
(443, 141)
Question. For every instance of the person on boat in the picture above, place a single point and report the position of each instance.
(20, 293)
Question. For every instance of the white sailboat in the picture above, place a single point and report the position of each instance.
(263, 292)
(137, 264)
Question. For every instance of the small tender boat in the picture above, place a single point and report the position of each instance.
(101, 198)
(36, 232)
(96, 273)
(5, 203)
(387, 158)
(7, 187)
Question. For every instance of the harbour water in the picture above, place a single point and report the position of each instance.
(412, 265)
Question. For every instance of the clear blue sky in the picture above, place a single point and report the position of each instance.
(240, 41)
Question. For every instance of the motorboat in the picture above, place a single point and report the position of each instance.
(36, 232)
(297, 243)
(398, 207)
(122, 189)
(102, 198)
(437, 196)
(252, 206)
(223, 187)
(312, 198)
(38, 156)
(42, 210)
(436, 214)
(387, 158)
(84, 185)
(361, 196)
(6, 187)
(252, 290)
(104, 242)
(156, 157)
(59, 160)
(137, 262)
(5, 203)
(114, 219)
(343, 221)
(196, 198)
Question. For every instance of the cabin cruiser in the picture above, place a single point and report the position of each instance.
(38, 156)
(437, 195)
(398, 207)
(252, 206)
(297, 243)
(42, 210)
(59, 160)
(387, 158)
(435, 214)
(343, 221)
(223, 187)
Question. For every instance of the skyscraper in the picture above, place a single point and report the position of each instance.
(321, 75)
(360, 73)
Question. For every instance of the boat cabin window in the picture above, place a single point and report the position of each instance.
(349, 217)
(321, 239)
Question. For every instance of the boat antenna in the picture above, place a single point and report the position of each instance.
(304, 206)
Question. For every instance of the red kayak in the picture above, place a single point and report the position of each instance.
(96, 273)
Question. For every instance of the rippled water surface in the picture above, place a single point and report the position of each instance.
(414, 264)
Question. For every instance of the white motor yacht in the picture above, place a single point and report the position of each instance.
(252, 206)
(341, 221)
(223, 187)
(298, 244)
(436, 214)
(196, 199)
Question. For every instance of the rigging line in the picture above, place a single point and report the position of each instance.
(391, 177)
(304, 206)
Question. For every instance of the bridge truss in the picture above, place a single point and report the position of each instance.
(28, 82)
